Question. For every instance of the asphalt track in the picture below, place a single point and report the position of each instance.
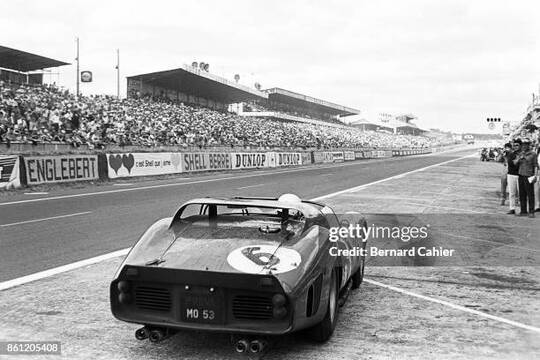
(39, 232)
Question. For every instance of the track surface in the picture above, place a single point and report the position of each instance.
(81, 227)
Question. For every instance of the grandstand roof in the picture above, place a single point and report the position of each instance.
(193, 81)
(290, 97)
(24, 61)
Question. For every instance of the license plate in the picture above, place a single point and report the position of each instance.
(202, 309)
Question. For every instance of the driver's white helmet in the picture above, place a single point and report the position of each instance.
(290, 198)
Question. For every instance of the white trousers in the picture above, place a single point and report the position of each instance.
(537, 194)
(513, 190)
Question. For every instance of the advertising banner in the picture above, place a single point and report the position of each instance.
(271, 159)
(205, 161)
(307, 158)
(288, 159)
(251, 160)
(9, 172)
(60, 168)
(360, 155)
(323, 157)
(349, 155)
(337, 156)
(142, 164)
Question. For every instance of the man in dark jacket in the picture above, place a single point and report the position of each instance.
(528, 166)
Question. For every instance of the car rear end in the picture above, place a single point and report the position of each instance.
(202, 300)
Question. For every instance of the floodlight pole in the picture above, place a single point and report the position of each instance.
(77, 58)
(118, 73)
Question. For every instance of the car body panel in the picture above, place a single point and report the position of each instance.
(172, 256)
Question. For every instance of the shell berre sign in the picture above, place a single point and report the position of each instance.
(62, 168)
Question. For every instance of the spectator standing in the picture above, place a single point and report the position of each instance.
(528, 165)
(513, 174)
(504, 175)
(537, 184)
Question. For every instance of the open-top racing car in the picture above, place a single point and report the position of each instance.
(252, 267)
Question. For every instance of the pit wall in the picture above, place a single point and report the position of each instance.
(21, 170)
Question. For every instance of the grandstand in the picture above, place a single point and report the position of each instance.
(403, 124)
(194, 86)
(366, 125)
(286, 105)
(179, 109)
(191, 85)
(19, 67)
(529, 125)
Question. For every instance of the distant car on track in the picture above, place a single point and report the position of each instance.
(247, 266)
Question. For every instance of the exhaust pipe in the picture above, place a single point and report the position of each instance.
(156, 335)
(257, 346)
(242, 346)
(142, 333)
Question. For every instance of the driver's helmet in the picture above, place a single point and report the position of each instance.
(290, 198)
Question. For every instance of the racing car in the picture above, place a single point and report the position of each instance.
(252, 267)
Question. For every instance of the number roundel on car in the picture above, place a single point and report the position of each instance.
(255, 259)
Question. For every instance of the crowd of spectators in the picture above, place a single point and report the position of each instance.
(47, 114)
(521, 175)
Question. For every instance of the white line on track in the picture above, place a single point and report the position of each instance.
(263, 173)
(47, 273)
(45, 219)
(36, 193)
(455, 306)
(250, 186)
(75, 265)
(358, 188)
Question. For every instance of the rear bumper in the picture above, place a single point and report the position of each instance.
(199, 300)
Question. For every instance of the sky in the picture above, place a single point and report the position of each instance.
(451, 63)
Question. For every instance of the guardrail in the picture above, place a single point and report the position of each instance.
(24, 170)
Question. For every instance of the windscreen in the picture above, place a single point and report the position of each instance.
(269, 220)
